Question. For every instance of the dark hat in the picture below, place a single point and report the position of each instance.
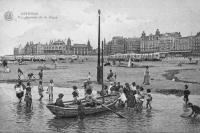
(74, 87)
(60, 95)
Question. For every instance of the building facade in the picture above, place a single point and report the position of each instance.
(158, 42)
(150, 43)
(196, 46)
(82, 49)
(132, 45)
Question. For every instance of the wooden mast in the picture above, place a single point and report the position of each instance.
(102, 59)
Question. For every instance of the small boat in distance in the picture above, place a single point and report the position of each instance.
(71, 110)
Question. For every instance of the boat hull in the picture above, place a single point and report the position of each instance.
(72, 111)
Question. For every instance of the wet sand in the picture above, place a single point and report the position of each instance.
(68, 74)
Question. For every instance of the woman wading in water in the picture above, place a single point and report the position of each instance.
(146, 76)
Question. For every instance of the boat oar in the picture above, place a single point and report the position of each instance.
(121, 116)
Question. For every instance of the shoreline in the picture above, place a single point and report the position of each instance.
(161, 75)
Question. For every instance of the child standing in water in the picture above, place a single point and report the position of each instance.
(19, 91)
(40, 90)
(149, 99)
(186, 94)
(75, 94)
(50, 90)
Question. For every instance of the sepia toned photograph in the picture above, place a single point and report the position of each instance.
(99, 66)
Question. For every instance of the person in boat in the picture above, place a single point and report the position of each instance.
(40, 90)
(110, 75)
(28, 96)
(146, 77)
(122, 97)
(104, 92)
(91, 101)
(59, 101)
(50, 90)
(117, 87)
(20, 73)
(149, 99)
(87, 86)
(186, 94)
(81, 110)
(133, 86)
(40, 74)
(112, 88)
(19, 90)
(75, 94)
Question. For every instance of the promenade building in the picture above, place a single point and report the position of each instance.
(158, 42)
(82, 49)
(150, 43)
(183, 45)
(166, 41)
(55, 47)
(196, 46)
(116, 45)
(132, 45)
(16, 51)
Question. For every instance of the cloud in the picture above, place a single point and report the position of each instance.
(78, 19)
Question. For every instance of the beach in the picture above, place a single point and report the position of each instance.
(164, 115)
(164, 75)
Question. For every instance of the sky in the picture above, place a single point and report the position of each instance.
(45, 20)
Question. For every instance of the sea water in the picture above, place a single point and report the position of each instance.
(164, 117)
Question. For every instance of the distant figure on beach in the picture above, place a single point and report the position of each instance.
(20, 73)
(5, 65)
(146, 76)
(30, 76)
(59, 101)
(89, 77)
(190, 59)
(19, 91)
(28, 96)
(81, 110)
(40, 90)
(75, 94)
(7, 69)
(149, 99)
(186, 94)
(54, 63)
(110, 75)
(50, 90)
(40, 74)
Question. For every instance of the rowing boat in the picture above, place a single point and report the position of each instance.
(71, 109)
